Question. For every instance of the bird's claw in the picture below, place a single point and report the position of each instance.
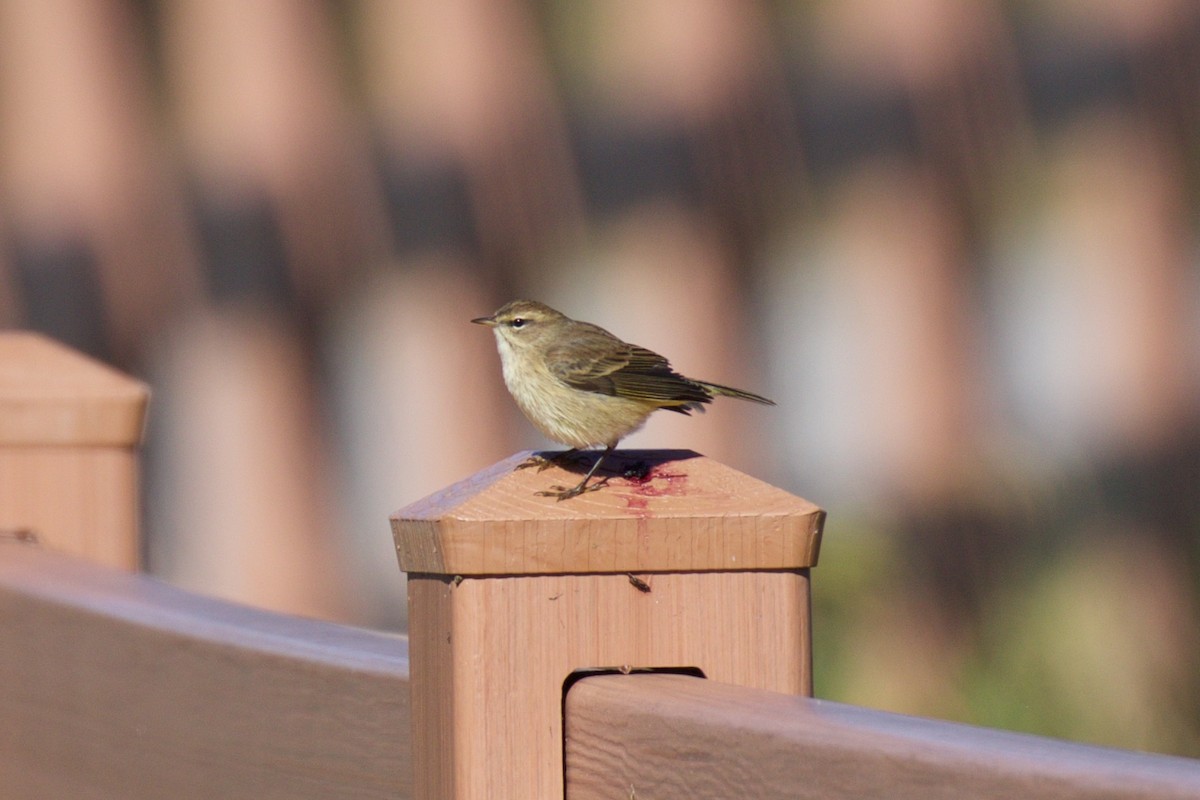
(561, 493)
(542, 463)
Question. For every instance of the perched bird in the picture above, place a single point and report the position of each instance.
(581, 386)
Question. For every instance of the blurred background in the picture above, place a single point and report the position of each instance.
(955, 239)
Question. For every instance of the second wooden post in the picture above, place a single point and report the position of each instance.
(69, 431)
(683, 563)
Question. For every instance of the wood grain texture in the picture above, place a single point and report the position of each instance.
(68, 468)
(680, 512)
(490, 656)
(77, 500)
(52, 395)
(654, 736)
(116, 686)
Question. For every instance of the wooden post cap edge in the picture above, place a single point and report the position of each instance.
(51, 395)
(660, 511)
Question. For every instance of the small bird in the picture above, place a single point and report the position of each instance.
(583, 387)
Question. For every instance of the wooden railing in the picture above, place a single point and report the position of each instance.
(115, 685)
(649, 736)
(540, 635)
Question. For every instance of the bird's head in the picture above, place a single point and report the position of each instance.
(524, 324)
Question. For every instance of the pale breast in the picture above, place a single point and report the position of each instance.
(571, 416)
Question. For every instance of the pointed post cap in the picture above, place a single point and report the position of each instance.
(53, 395)
(661, 511)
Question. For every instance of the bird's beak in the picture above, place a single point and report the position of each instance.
(489, 321)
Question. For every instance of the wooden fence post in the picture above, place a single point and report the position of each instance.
(679, 563)
(68, 469)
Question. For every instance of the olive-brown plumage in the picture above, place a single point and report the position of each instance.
(581, 386)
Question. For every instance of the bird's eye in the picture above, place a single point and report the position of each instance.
(519, 322)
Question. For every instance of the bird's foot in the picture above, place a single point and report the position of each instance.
(542, 463)
(561, 493)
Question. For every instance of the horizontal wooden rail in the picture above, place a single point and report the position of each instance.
(114, 685)
(650, 736)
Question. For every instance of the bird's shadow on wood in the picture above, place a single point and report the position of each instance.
(632, 464)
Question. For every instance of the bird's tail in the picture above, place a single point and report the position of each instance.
(729, 391)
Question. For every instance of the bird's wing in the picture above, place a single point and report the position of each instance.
(596, 361)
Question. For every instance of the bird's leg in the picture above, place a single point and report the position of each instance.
(541, 462)
(564, 494)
